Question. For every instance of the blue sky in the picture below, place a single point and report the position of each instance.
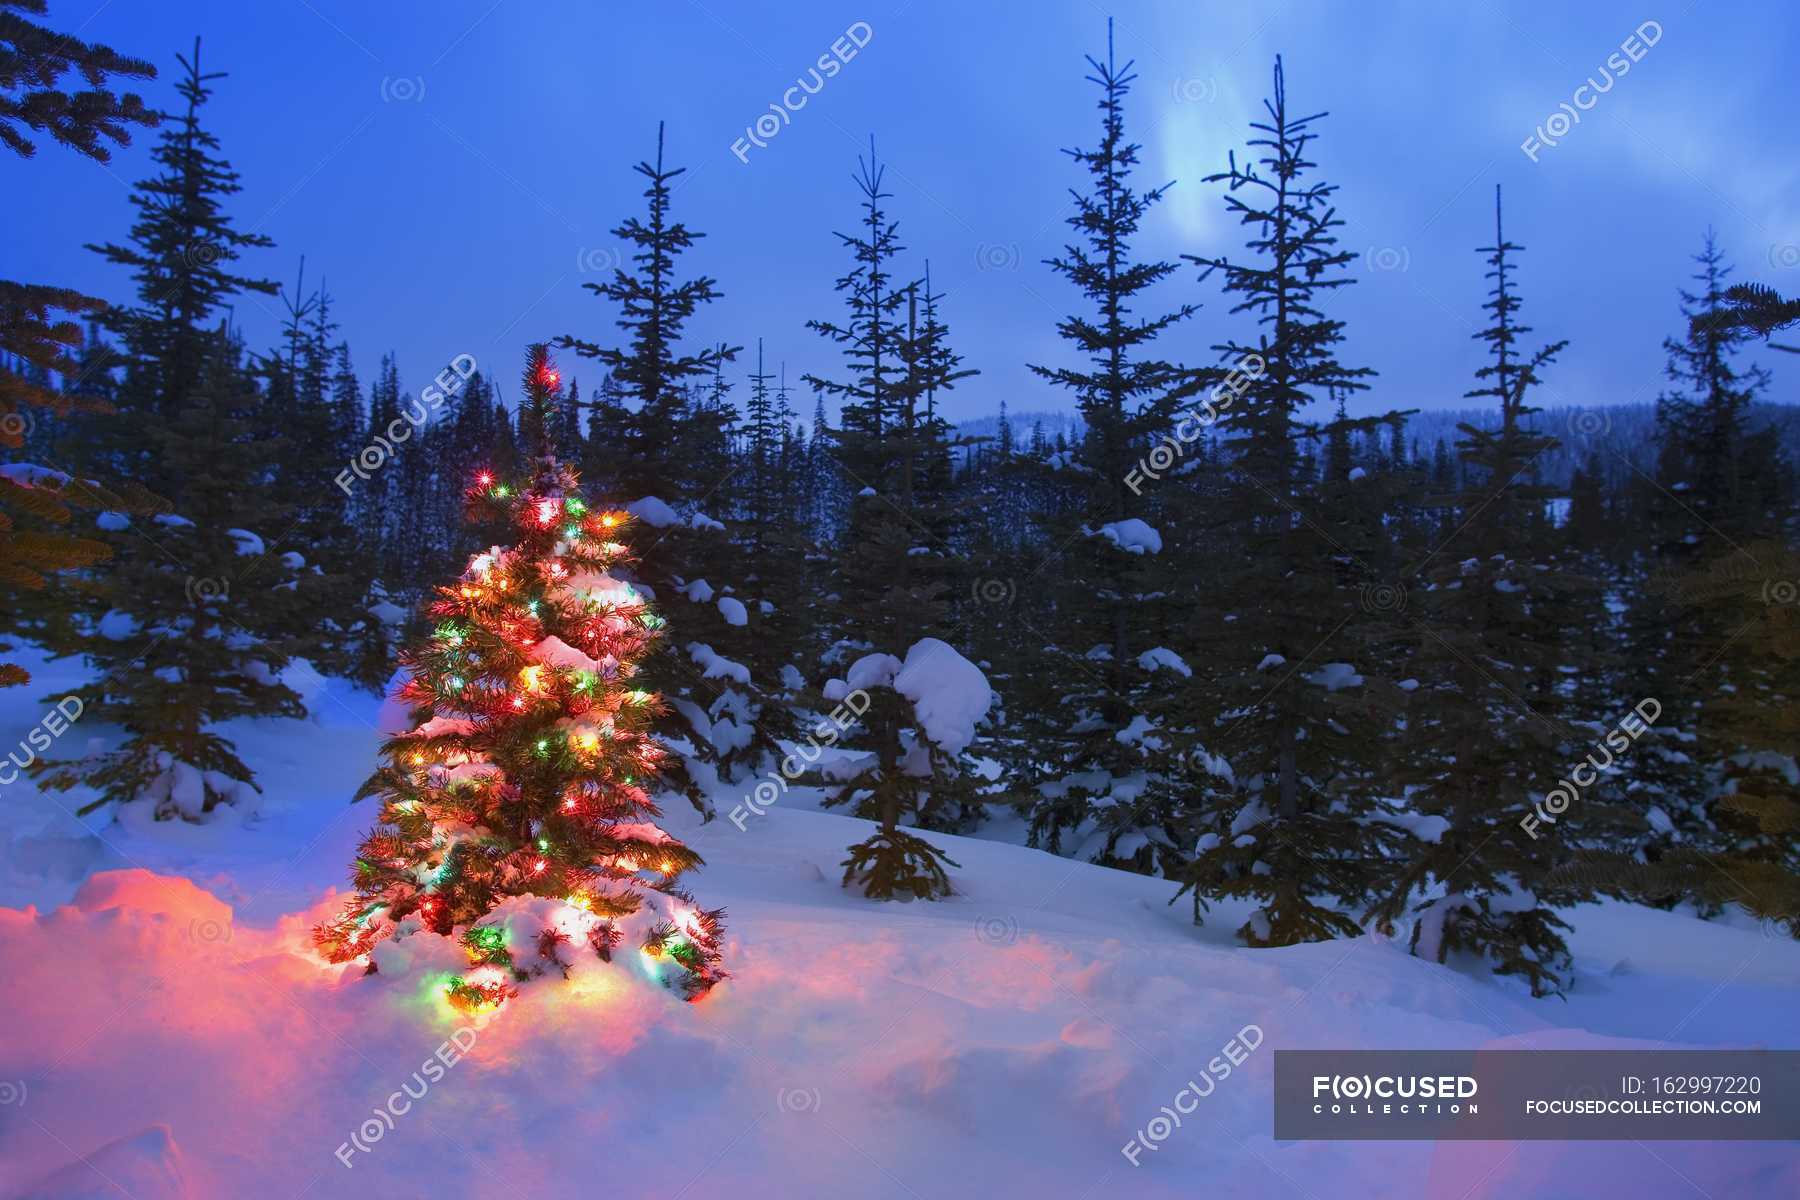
(452, 167)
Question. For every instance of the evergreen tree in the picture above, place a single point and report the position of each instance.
(1285, 723)
(180, 253)
(318, 435)
(1104, 611)
(1486, 738)
(39, 326)
(673, 431)
(1701, 419)
(1749, 731)
(888, 583)
(195, 619)
(529, 776)
(34, 99)
(655, 306)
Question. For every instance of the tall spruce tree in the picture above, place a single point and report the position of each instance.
(201, 610)
(673, 429)
(1705, 500)
(1291, 704)
(195, 618)
(1108, 590)
(651, 371)
(181, 253)
(1486, 740)
(887, 586)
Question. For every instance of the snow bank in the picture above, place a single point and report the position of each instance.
(142, 1166)
(173, 1028)
(1022, 1033)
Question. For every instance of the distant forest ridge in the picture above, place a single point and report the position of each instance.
(1622, 435)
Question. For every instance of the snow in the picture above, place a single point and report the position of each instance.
(168, 1030)
(1132, 536)
(1270, 661)
(143, 1166)
(653, 512)
(1138, 733)
(555, 652)
(948, 692)
(32, 476)
(597, 587)
(714, 665)
(1427, 828)
(871, 671)
(247, 542)
(1357, 473)
(1335, 676)
(173, 521)
(293, 560)
(1162, 656)
(698, 591)
(733, 611)
(118, 625)
(113, 522)
(701, 521)
(387, 612)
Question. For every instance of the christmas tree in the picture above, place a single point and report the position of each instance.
(526, 787)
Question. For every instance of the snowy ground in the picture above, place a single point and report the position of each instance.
(169, 1033)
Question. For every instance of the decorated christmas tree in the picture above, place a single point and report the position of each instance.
(517, 817)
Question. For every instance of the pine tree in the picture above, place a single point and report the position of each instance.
(1701, 419)
(1103, 610)
(1288, 716)
(39, 324)
(33, 99)
(763, 429)
(888, 585)
(1487, 738)
(195, 618)
(655, 306)
(178, 653)
(1702, 504)
(530, 774)
(674, 433)
(298, 406)
(180, 253)
(1748, 730)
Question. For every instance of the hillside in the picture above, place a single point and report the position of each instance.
(172, 1032)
